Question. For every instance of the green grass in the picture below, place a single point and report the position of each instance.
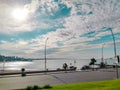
(103, 85)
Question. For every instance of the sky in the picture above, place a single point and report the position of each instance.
(74, 28)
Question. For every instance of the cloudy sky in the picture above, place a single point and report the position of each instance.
(74, 28)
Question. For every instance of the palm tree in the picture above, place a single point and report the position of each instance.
(92, 62)
(65, 66)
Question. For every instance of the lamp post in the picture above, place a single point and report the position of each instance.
(45, 54)
(102, 52)
(114, 42)
(117, 76)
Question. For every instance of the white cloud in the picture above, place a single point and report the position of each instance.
(102, 14)
(80, 21)
(10, 25)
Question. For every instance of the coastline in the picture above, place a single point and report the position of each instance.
(9, 71)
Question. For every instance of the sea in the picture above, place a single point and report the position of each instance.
(50, 64)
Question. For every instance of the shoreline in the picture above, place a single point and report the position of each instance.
(9, 71)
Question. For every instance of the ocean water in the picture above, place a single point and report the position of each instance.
(51, 64)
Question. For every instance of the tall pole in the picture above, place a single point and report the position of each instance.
(114, 42)
(102, 52)
(117, 76)
(45, 55)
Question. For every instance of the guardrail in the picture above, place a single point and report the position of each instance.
(32, 72)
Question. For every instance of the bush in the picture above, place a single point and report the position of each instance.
(35, 87)
(23, 69)
(29, 88)
(47, 86)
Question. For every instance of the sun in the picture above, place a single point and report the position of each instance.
(20, 14)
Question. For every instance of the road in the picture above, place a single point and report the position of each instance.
(15, 82)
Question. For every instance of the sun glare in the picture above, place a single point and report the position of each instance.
(20, 14)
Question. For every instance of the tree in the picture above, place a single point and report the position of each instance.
(92, 62)
(65, 66)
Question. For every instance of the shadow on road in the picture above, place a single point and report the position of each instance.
(57, 78)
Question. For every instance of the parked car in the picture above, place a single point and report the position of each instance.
(72, 68)
(85, 67)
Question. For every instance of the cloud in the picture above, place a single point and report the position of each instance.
(70, 26)
(79, 20)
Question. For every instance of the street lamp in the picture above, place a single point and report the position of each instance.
(102, 52)
(113, 42)
(115, 52)
(45, 54)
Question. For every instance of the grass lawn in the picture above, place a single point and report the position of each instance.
(102, 85)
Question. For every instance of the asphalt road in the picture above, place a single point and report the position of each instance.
(15, 82)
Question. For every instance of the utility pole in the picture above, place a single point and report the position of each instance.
(117, 74)
(102, 52)
(45, 54)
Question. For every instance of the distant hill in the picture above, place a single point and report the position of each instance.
(13, 58)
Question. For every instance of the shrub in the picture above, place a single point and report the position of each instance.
(28, 88)
(35, 87)
(47, 86)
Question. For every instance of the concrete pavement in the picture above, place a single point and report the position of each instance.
(15, 82)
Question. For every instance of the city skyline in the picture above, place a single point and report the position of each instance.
(75, 28)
